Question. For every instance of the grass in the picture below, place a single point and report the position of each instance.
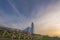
(21, 35)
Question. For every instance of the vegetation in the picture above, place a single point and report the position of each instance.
(21, 35)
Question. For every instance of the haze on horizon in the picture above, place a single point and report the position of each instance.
(21, 13)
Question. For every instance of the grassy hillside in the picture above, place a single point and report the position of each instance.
(21, 35)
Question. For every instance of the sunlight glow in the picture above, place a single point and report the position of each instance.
(49, 23)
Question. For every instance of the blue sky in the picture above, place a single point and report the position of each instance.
(21, 13)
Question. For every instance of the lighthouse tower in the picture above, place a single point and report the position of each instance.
(32, 28)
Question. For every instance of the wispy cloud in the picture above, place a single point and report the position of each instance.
(48, 19)
(14, 8)
(45, 15)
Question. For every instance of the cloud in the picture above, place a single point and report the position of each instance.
(14, 8)
(48, 19)
(22, 21)
(2, 18)
(44, 14)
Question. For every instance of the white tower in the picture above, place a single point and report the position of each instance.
(32, 28)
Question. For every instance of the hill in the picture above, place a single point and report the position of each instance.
(15, 34)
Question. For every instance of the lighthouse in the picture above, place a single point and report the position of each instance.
(32, 28)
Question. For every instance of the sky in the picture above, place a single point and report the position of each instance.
(45, 14)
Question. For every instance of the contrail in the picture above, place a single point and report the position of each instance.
(15, 8)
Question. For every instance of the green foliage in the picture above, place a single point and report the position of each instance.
(20, 35)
